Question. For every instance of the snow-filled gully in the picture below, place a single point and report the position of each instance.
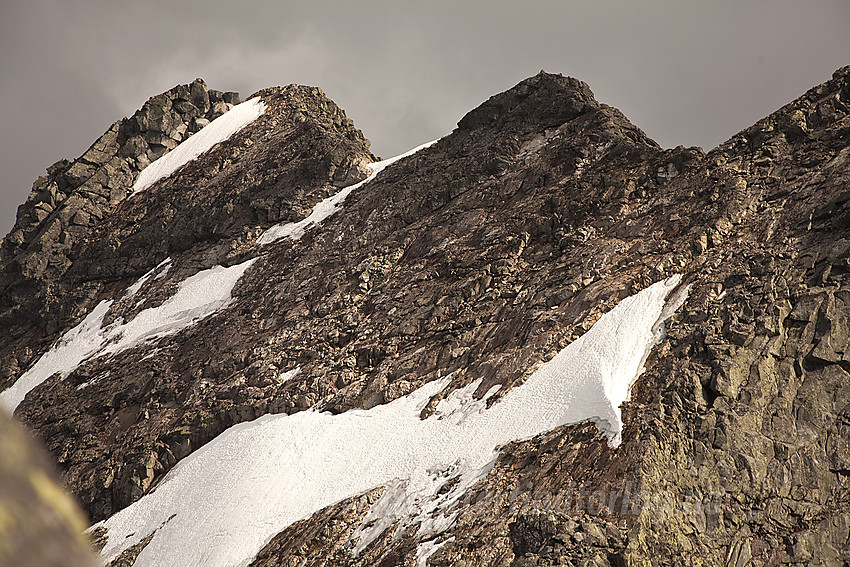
(220, 505)
(199, 296)
(326, 208)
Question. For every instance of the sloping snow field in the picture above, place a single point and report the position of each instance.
(197, 297)
(222, 503)
(189, 149)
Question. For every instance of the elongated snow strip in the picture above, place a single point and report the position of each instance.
(189, 149)
(220, 505)
(197, 297)
(329, 206)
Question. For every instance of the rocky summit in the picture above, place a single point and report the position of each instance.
(540, 340)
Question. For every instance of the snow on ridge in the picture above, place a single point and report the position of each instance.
(326, 208)
(189, 149)
(220, 505)
(197, 297)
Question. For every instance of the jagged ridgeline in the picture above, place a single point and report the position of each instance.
(542, 339)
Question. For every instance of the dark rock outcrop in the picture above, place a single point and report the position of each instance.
(482, 256)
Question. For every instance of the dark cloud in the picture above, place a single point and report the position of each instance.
(686, 72)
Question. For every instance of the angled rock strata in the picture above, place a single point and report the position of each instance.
(282, 277)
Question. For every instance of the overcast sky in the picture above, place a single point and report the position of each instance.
(686, 71)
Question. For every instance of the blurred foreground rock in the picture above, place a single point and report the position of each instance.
(40, 525)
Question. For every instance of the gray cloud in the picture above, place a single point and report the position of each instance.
(686, 72)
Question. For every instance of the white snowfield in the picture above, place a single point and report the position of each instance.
(197, 297)
(220, 505)
(326, 208)
(189, 149)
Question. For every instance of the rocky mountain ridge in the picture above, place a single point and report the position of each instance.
(479, 258)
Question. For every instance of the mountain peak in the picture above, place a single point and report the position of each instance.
(542, 101)
(83, 226)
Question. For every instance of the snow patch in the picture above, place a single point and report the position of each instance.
(75, 346)
(426, 549)
(288, 375)
(197, 297)
(231, 496)
(92, 382)
(326, 208)
(165, 265)
(189, 149)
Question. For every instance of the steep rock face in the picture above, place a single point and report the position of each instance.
(749, 402)
(64, 206)
(481, 257)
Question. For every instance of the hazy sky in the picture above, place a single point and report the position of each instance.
(686, 71)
